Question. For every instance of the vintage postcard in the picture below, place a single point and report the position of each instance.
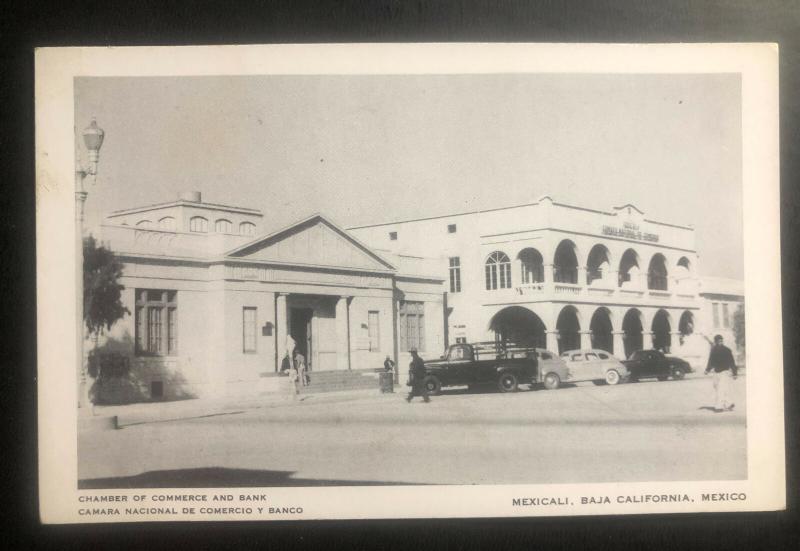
(299, 282)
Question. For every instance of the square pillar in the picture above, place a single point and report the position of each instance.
(619, 344)
(281, 328)
(647, 340)
(549, 280)
(552, 341)
(585, 339)
(343, 333)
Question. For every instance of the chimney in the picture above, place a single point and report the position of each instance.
(191, 196)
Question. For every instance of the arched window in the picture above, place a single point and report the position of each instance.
(146, 224)
(657, 273)
(531, 263)
(247, 228)
(223, 226)
(198, 224)
(565, 263)
(598, 264)
(498, 271)
(167, 223)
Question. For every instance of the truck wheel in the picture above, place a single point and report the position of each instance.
(678, 373)
(507, 382)
(551, 381)
(432, 385)
(612, 376)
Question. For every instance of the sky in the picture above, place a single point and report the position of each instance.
(368, 149)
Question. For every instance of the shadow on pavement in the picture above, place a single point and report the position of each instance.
(219, 477)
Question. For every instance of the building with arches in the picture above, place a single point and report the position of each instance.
(562, 276)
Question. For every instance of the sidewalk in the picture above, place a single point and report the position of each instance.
(155, 412)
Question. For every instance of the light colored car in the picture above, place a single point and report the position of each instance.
(594, 365)
(552, 369)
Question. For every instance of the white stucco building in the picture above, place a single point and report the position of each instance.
(214, 302)
(562, 276)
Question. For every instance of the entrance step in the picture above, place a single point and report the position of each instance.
(332, 381)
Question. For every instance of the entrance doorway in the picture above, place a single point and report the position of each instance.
(300, 329)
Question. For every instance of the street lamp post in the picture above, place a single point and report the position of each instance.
(93, 139)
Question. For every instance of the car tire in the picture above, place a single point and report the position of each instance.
(613, 377)
(552, 381)
(678, 373)
(432, 384)
(507, 382)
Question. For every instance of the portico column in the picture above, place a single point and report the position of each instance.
(549, 277)
(647, 340)
(582, 276)
(674, 340)
(552, 341)
(619, 344)
(611, 278)
(281, 328)
(343, 333)
(585, 339)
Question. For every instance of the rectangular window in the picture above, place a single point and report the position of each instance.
(715, 307)
(393, 236)
(461, 340)
(451, 228)
(455, 274)
(726, 321)
(156, 322)
(374, 330)
(249, 326)
(412, 325)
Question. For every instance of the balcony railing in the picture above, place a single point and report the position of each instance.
(565, 275)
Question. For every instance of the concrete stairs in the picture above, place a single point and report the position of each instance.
(332, 381)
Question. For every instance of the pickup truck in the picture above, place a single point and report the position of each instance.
(644, 364)
(503, 365)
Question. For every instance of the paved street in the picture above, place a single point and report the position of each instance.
(585, 433)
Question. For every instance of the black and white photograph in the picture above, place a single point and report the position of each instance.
(406, 281)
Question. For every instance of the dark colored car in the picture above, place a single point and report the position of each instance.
(644, 364)
(476, 364)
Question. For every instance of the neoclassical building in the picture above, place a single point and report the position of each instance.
(561, 276)
(215, 303)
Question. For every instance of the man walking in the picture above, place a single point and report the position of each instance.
(721, 362)
(416, 374)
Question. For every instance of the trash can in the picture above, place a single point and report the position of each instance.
(386, 379)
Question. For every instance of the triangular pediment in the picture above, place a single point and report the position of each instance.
(629, 209)
(315, 241)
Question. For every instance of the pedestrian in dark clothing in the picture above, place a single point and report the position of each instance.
(722, 364)
(416, 374)
(388, 364)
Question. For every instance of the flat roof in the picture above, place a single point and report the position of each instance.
(509, 207)
(183, 202)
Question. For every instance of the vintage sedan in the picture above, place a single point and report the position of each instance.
(655, 364)
(598, 366)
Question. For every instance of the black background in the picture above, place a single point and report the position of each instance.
(27, 25)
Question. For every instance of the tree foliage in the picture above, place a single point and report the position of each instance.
(102, 292)
(738, 326)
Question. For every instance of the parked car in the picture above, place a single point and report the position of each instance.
(645, 364)
(503, 365)
(598, 366)
(552, 369)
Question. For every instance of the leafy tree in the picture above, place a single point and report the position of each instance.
(738, 326)
(102, 292)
